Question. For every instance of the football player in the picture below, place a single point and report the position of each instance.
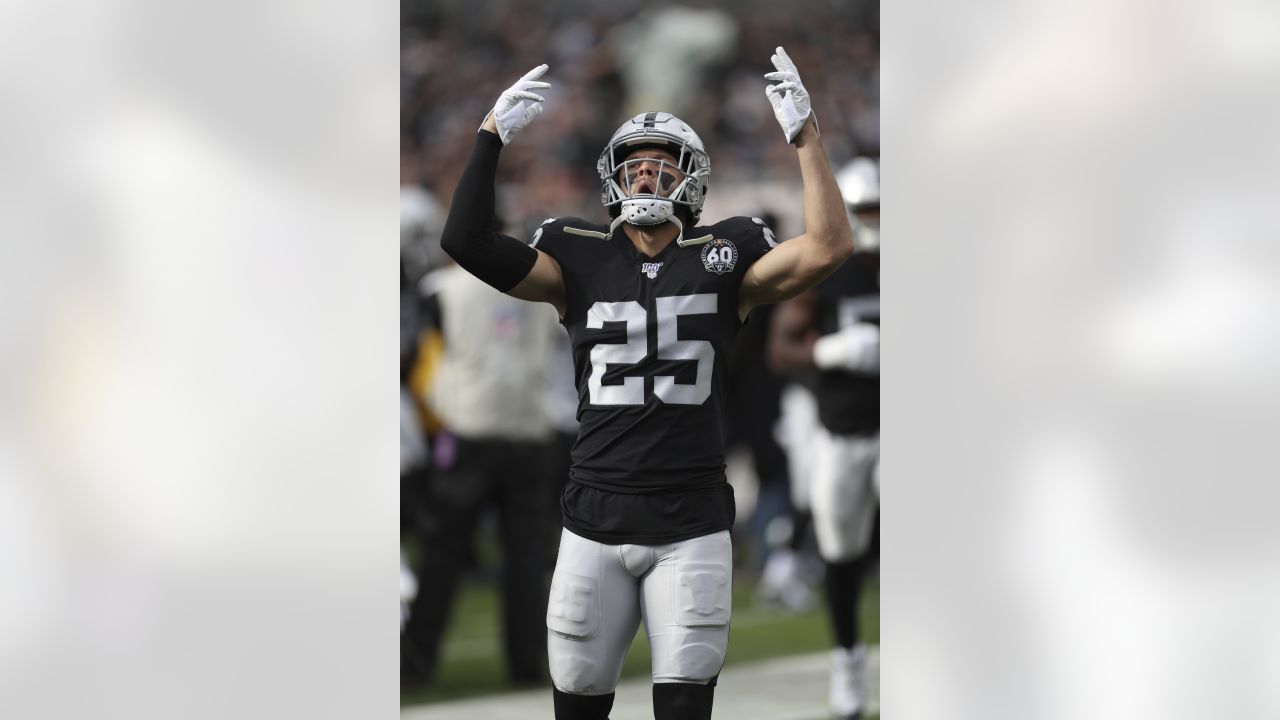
(651, 302)
(832, 334)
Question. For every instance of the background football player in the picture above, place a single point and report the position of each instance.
(494, 453)
(651, 302)
(832, 336)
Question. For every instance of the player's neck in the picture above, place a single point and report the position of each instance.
(651, 239)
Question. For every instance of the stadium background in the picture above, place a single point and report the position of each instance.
(609, 60)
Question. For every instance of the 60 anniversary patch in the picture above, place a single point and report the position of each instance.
(719, 256)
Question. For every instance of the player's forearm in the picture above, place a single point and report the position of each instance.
(469, 237)
(471, 213)
(791, 353)
(825, 220)
(791, 335)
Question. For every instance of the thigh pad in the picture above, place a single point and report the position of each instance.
(703, 596)
(573, 608)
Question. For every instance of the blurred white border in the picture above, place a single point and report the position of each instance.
(198, 440)
(1080, 288)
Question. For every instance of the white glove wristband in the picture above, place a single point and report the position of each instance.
(855, 348)
(517, 106)
(790, 101)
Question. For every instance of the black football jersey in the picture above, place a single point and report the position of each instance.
(848, 403)
(651, 339)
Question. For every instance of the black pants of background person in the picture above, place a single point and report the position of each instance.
(514, 478)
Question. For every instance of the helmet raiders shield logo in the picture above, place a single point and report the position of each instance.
(651, 269)
(719, 256)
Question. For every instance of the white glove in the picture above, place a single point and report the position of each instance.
(855, 348)
(516, 106)
(789, 98)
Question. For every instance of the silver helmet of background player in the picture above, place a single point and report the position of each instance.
(859, 183)
(667, 132)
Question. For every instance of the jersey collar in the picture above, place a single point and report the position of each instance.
(628, 249)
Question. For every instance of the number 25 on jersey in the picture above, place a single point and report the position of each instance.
(634, 350)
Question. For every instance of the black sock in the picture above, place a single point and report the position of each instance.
(842, 583)
(683, 701)
(582, 707)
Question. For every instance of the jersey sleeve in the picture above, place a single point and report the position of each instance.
(538, 235)
(757, 239)
(567, 240)
(560, 237)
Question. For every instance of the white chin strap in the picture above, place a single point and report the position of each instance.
(671, 217)
(647, 210)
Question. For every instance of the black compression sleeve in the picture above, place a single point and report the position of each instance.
(469, 237)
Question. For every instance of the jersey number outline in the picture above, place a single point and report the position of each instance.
(634, 350)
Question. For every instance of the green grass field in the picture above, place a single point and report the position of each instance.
(472, 665)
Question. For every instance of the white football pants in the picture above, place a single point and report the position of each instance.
(797, 425)
(599, 594)
(845, 493)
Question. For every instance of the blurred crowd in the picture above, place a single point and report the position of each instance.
(485, 439)
(610, 60)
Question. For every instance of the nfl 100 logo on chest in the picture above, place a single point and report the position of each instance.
(650, 270)
(719, 256)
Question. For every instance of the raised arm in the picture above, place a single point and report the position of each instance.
(469, 237)
(801, 262)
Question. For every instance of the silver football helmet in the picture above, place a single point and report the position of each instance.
(859, 183)
(645, 191)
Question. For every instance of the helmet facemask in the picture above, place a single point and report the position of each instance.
(647, 186)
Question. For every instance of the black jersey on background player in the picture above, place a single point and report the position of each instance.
(848, 403)
(651, 341)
